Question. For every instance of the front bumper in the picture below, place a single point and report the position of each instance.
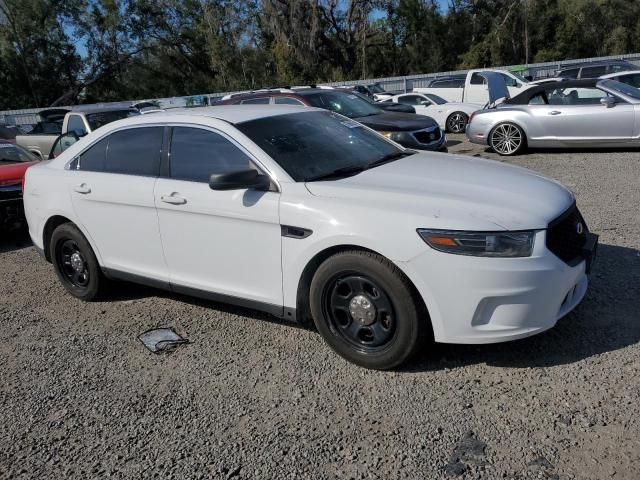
(409, 139)
(478, 132)
(474, 300)
(11, 206)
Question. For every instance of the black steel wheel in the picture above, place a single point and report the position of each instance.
(72, 263)
(367, 310)
(457, 122)
(359, 310)
(75, 263)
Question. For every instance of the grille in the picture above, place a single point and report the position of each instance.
(424, 136)
(567, 235)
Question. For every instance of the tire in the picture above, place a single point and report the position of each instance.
(507, 139)
(457, 122)
(389, 324)
(75, 263)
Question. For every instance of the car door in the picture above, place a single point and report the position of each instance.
(112, 195)
(225, 243)
(576, 114)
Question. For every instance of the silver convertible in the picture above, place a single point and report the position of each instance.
(588, 113)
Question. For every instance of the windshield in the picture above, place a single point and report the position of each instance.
(10, 153)
(97, 120)
(313, 144)
(520, 77)
(622, 88)
(344, 103)
(436, 99)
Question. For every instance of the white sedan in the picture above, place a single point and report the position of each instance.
(306, 214)
(451, 116)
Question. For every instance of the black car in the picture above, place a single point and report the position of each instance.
(407, 129)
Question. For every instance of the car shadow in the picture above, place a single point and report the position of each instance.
(15, 239)
(605, 321)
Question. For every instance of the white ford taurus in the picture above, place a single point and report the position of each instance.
(306, 214)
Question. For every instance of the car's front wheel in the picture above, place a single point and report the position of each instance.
(365, 309)
(75, 263)
(507, 139)
(457, 122)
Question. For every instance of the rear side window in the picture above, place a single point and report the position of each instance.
(93, 158)
(571, 73)
(412, 100)
(593, 72)
(198, 153)
(256, 101)
(134, 151)
(287, 101)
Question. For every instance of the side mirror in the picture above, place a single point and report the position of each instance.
(608, 101)
(239, 180)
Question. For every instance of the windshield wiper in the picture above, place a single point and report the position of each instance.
(389, 158)
(338, 173)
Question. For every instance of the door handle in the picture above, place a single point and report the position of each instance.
(82, 188)
(173, 199)
(555, 112)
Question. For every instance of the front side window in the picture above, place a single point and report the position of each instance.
(346, 104)
(436, 99)
(632, 79)
(312, 144)
(76, 125)
(198, 153)
(256, 101)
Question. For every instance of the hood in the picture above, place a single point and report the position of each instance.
(13, 172)
(496, 85)
(455, 192)
(397, 121)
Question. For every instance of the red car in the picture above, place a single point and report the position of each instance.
(14, 161)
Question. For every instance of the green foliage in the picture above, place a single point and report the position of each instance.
(66, 51)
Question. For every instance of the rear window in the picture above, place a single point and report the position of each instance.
(10, 153)
(97, 120)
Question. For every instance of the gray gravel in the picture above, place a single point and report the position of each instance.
(252, 397)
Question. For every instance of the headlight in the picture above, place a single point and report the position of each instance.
(480, 244)
(390, 135)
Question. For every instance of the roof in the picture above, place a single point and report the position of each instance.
(228, 113)
(524, 97)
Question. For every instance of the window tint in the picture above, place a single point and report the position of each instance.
(135, 151)
(287, 101)
(62, 143)
(93, 158)
(593, 72)
(633, 79)
(97, 120)
(412, 100)
(571, 73)
(197, 153)
(509, 80)
(477, 79)
(76, 125)
(256, 101)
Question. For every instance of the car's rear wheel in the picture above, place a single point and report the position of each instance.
(75, 263)
(507, 139)
(457, 122)
(365, 309)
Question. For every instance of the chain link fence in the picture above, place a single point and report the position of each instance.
(29, 116)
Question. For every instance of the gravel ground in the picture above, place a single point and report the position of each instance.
(252, 397)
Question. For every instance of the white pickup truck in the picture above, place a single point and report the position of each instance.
(475, 87)
(59, 121)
